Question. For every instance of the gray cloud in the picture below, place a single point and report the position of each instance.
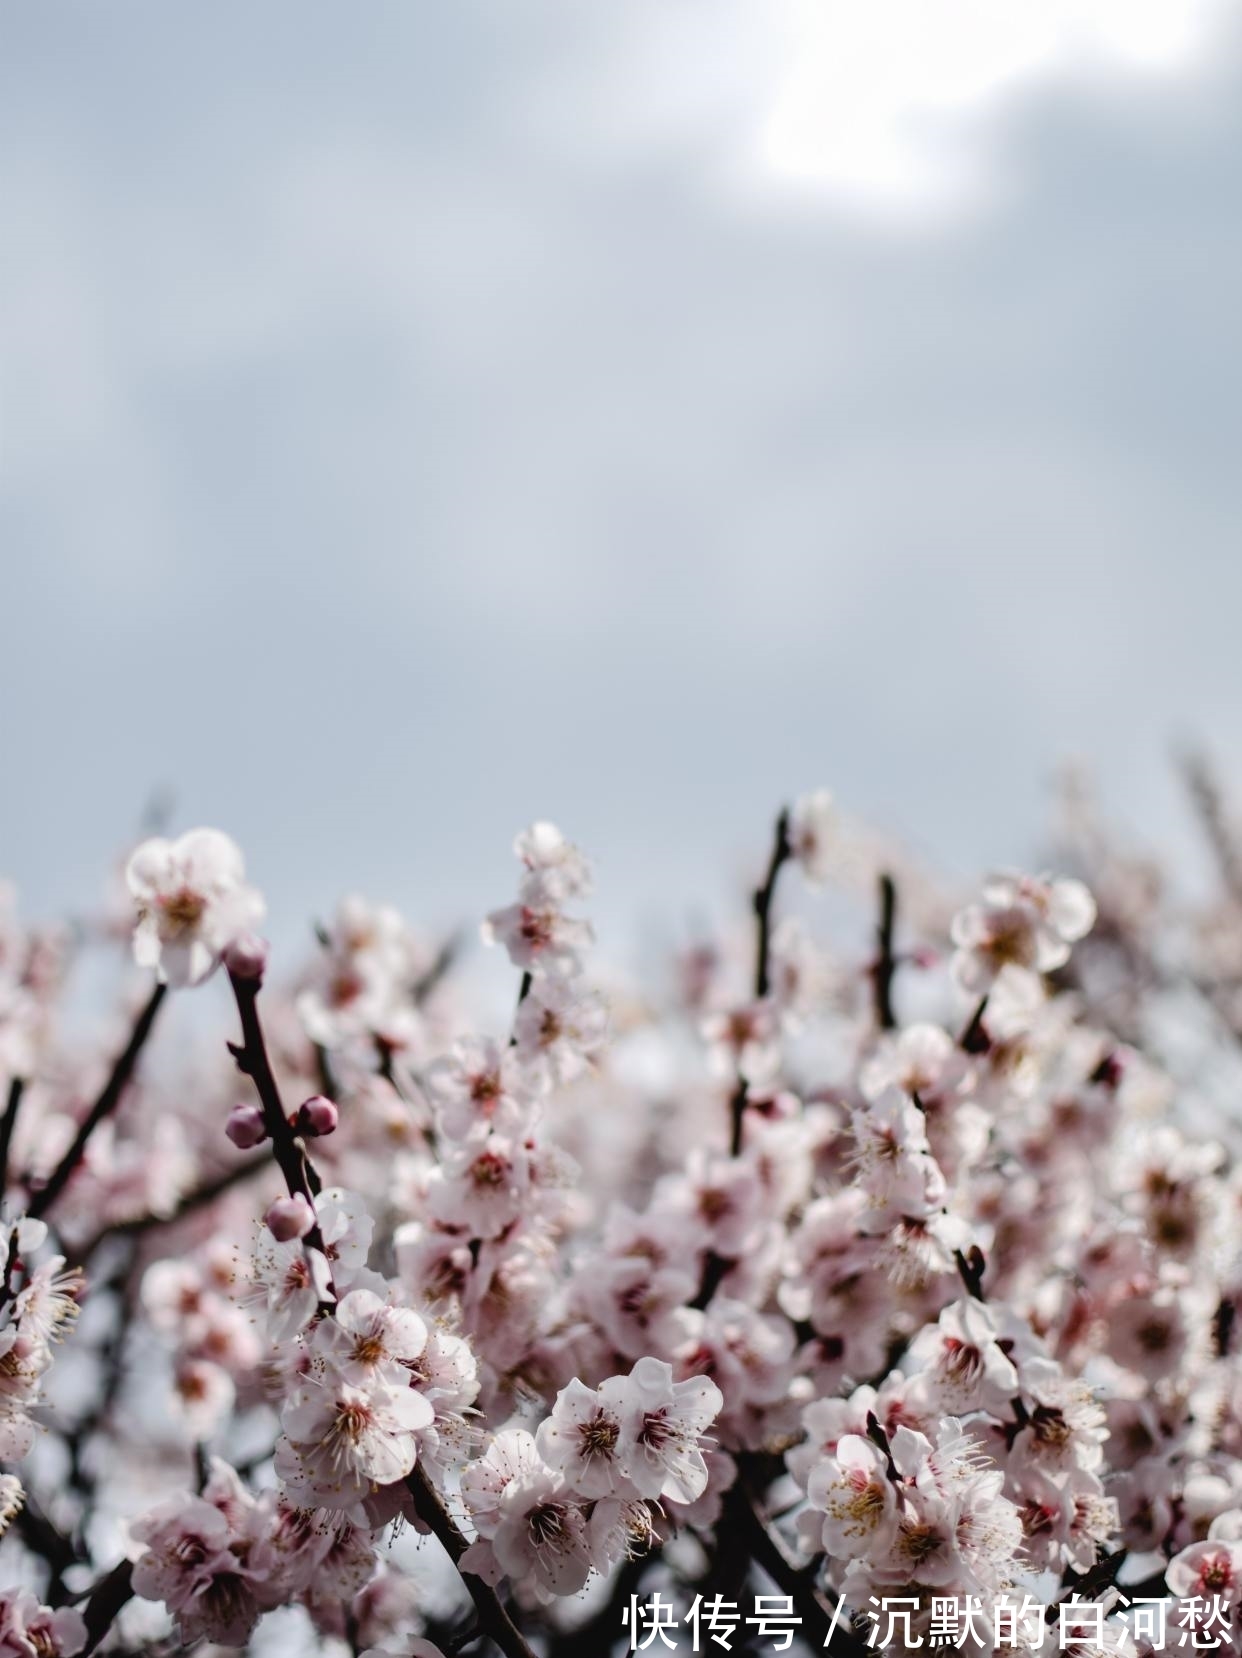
(395, 451)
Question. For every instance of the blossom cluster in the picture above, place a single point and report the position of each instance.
(578, 1495)
(37, 1306)
(886, 1274)
(27, 1627)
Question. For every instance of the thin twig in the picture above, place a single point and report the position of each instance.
(524, 990)
(1205, 792)
(46, 1540)
(715, 1267)
(43, 1199)
(252, 1061)
(200, 1198)
(125, 1286)
(974, 1038)
(885, 965)
(295, 1165)
(761, 903)
(781, 853)
(327, 1076)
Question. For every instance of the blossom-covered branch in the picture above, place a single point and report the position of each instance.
(761, 1305)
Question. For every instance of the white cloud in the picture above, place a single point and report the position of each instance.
(878, 101)
(878, 104)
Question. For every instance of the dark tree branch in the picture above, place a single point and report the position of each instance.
(107, 1598)
(124, 1285)
(453, 1644)
(252, 1061)
(885, 965)
(524, 990)
(971, 1269)
(327, 1076)
(384, 1052)
(974, 1039)
(738, 1101)
(50, 1544)
(761, 903)
(43, 1198)
(1089, 1585)
(300, 1178)
(781, 853)
(604, 1627)
(494, 1621)
(809, 1602)
(715, 1269)
(716, 1266)
(7, 1125)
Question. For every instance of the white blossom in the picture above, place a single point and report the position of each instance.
(192, 901)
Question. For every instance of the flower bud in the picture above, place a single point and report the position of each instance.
(23, 1348)
(246, 956)
(289, 1218)
(317, 1116)
(245, 1126)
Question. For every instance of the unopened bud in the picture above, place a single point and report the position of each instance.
(245, 1127)
(289, 1218)
(317, 1116)
(23, 1348)
(246, 956)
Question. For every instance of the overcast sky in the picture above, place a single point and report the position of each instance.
(420, 419)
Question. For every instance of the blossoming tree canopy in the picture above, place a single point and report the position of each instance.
(764, 1307)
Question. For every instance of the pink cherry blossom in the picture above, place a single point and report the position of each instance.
(34, 1631)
